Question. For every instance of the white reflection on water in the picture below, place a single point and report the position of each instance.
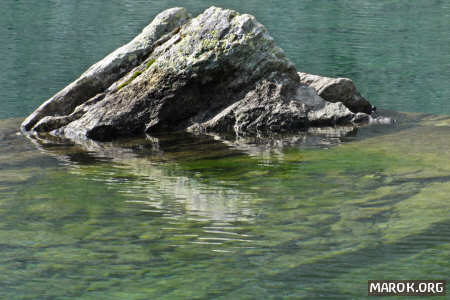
(268, 146)
(165, 191)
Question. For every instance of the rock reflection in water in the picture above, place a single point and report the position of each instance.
(161, 186)
(267, 146)
(156, 186)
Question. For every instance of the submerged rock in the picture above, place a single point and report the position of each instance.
(218, 72)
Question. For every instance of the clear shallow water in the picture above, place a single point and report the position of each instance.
(305, 217)
(194, 218)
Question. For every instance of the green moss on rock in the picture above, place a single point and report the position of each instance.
(127, 82)
(150, 63)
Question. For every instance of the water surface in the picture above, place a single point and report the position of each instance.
(192, 217)
(309, 216)
(397, 52)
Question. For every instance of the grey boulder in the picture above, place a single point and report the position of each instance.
(218, 72)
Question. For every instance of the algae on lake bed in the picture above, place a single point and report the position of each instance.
(192, 217)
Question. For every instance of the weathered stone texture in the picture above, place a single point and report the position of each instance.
(218, 72)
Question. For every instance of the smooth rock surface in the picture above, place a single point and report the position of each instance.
(218, 72)
(105, 72)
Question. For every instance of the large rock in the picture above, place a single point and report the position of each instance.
(218, 72)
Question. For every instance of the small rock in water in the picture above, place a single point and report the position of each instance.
(338, 90)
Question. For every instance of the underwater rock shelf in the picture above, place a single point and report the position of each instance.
(218, 72)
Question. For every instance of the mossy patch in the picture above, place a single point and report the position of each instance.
(124, 84)
(149, 63)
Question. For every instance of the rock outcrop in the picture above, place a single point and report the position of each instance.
(218, 72)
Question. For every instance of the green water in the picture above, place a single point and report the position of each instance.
(310, 216)
(193, 218)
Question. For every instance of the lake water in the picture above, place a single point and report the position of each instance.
(310, 216)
